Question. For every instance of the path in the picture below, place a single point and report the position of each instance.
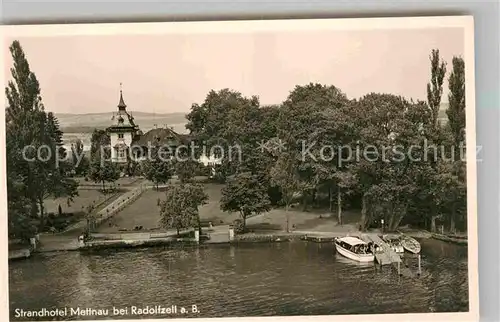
(68, 239)
(217, 234)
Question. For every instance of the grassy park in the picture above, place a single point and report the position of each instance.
(144, 212)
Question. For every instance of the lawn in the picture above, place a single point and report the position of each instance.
(124, 181)
(144, 212)
(84, 198)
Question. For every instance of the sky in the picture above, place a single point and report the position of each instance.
(168, 73)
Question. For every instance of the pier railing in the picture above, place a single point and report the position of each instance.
(120, 203)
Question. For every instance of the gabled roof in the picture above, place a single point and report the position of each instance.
(160, 136)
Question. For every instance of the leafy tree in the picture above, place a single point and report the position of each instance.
(284, 175)
(185, 169)
(434, 93)
(226, 118)
(388, 125)
(36, 133)
(102, 172)
(435, 86)
(449, 191)
(81, 164)
(100, 144)
(456, 117)
(305, 108)
(456, 99)
(179, 210)
(208, 122)
(245, 194)
(157, 168)
(21, 223)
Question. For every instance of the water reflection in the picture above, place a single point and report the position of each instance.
(295, 278)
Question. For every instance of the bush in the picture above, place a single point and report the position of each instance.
(238, 226)
(56, 223)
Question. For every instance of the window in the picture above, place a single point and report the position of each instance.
(121, 154)
(120, 135)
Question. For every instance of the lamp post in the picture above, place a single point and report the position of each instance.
(382, 222)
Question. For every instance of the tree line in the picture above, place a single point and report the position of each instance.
(33, 144)
(398, 191)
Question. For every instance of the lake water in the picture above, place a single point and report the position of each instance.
(296, 278)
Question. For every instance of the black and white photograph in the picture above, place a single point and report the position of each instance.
(272, 168)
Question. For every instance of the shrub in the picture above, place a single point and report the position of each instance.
(238, 226)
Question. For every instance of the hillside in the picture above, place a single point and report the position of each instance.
(86, 123)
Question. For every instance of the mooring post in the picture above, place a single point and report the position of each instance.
(399, 268)
(33, 243)
(419, 267)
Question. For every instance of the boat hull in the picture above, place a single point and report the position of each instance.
(363, 258)
(411, 245)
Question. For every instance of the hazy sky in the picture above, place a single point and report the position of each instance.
(167, 73)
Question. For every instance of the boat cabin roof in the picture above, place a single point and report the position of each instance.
(353, 241)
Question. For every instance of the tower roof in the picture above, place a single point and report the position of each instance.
(121, 104)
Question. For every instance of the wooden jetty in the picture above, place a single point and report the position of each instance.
(387, 256)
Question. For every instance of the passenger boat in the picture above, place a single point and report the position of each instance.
(410, 244)
(395, 242)
(355, 249)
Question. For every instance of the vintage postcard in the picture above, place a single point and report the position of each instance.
(320, 169)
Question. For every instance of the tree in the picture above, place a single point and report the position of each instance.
(21, 223)
(284, 175)
(456, 121)
(387, 126)
(456, 99)
(449, 191)
(332, 154)
(185, 169)
(100, 144)
(81, 164)
(245, 194)
(435, 86)
(300, 124)
(179, 210)
(226, 119)
(36, 133)
(157, 168)
(102, 172)
(434, 93)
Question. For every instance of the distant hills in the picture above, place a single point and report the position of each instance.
(86, 123)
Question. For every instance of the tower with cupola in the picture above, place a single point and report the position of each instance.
(121, 132)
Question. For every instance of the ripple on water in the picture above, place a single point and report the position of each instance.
(251, 280)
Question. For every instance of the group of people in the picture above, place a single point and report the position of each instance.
(370, 248)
